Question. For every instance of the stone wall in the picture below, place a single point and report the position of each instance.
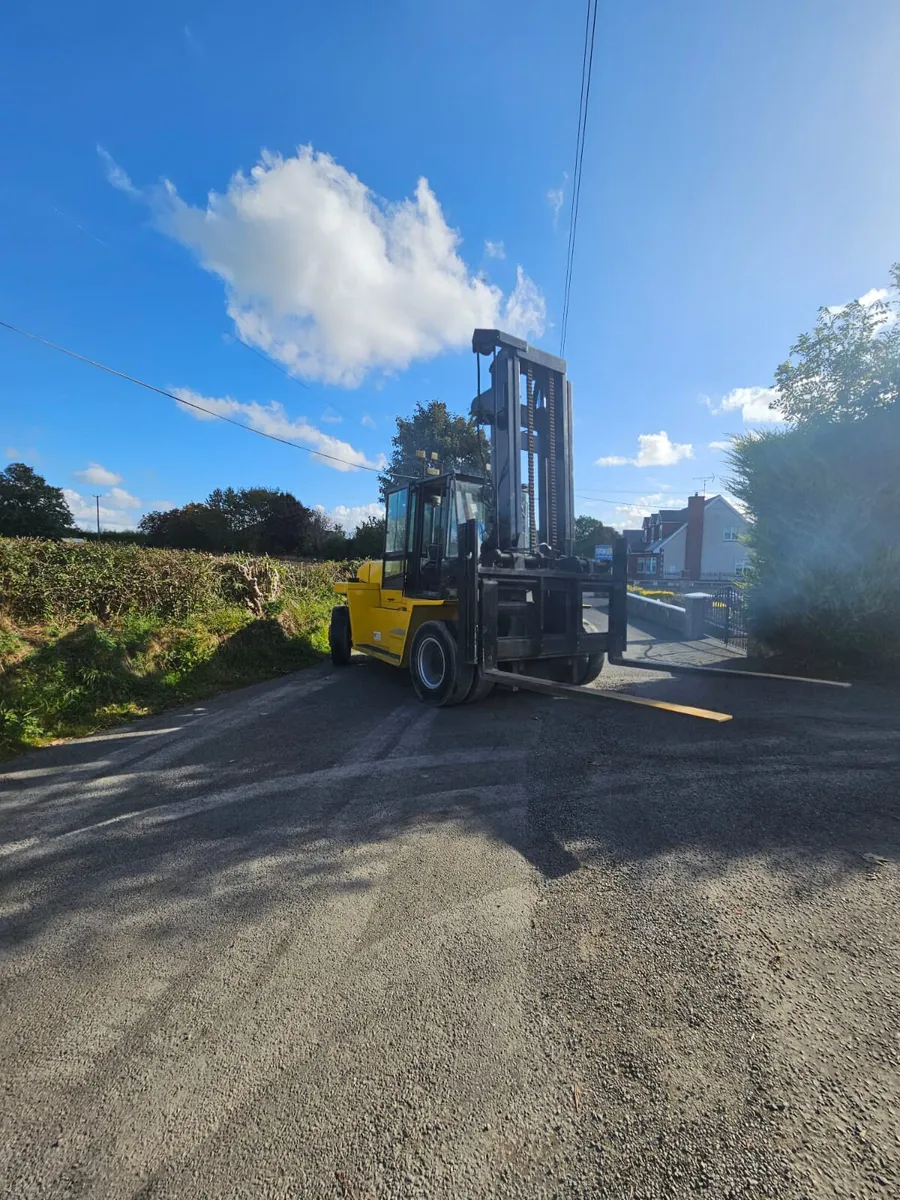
(686, 620)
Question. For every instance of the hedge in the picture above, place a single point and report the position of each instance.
(42, 581)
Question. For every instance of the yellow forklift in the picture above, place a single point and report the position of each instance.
(479, 583)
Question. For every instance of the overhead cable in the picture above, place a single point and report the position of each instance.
(190, 403)
(587, 65)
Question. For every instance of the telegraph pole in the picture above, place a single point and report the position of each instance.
(97, 498)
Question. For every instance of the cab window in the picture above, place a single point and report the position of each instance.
(395, 540)
(468, 505)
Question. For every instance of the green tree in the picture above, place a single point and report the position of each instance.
(263, 520)
(459, 443)
(848, 367)
(368, 541)
(30, 507)
(193, 527)
(251, 520)
(589, 532)
(324, 538)
(822, 495)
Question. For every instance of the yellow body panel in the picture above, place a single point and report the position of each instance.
(383, 621)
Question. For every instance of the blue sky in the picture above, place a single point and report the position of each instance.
(741, 170)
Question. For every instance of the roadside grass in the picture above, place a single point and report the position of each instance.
(82, 664)
(70, 682)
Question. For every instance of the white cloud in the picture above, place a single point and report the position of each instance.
(112, 516)
(755, 404)
(122, 499)
(349, 516)
(556, 198)
(883, 319)
(331, 417)
(115, 175)
(657, 450)
(11, 452)
(654, 450)
(367, 422)
(494, 249)
(160, 505)
(331, 279)
(873, 296)
(630, 516)
(271, 418)
(526, 308)
(720, 445)
(97, 476)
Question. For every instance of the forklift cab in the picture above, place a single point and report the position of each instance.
(421, 547)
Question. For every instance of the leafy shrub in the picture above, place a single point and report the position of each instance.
(111, 631)
(824, 590)
(42, 581)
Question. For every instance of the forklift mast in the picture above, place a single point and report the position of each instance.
(539, 513)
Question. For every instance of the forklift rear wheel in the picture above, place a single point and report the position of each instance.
(339, 638)
(438, 676)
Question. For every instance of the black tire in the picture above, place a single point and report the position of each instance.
(581, 670)
(481, 687)
(593, 665)
(339, 638)
(438, 676)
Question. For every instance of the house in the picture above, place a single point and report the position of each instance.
(702, 541)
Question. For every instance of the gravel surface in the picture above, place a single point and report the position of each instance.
(312, 939)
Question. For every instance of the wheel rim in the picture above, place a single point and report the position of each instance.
(431, 663)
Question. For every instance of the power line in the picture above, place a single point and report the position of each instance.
(270, 361)
(627, 491)
(601, 499)
(587, 65)
(189, 403)
(278, 367)
(584, 54)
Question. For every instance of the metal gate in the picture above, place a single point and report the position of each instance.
(725, 617)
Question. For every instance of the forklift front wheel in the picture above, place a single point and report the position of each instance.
(438, 676)
(480, 689)
(592, 667)
(339, 638)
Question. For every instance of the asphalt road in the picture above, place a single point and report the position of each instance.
(312, 939)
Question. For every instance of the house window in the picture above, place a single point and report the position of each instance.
(731, 533)
(646, 566)
(741, 569)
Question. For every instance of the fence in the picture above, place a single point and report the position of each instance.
(725, 617)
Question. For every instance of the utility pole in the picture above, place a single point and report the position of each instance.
(97, 498)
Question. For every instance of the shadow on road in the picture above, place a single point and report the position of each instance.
(283, 795)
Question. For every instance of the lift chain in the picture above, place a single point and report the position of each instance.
(551, 421)
(532, 539)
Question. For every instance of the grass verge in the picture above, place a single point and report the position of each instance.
(75, 658)
(67, 682)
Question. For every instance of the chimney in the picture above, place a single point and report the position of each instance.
(693, 547)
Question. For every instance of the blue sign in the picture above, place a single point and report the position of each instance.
(603, 553)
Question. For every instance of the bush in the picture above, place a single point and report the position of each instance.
(106, 632)
(55, 581)
(824, 590)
